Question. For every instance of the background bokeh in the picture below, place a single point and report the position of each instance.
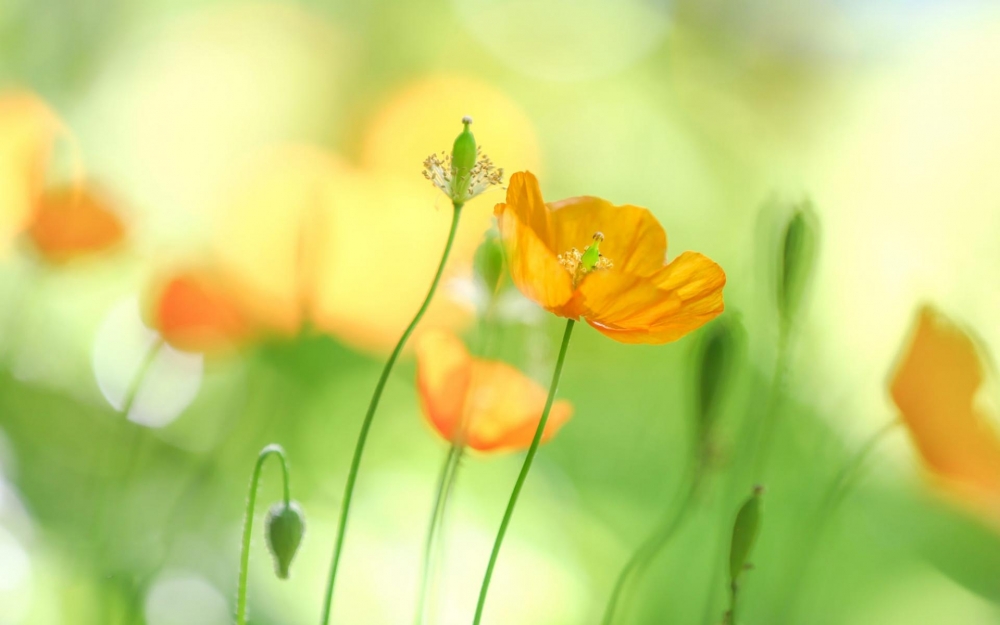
(285, 141)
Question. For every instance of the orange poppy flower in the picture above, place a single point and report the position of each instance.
(620, 283)
(485, 404)
(935, 387)
(194, 312)
(72, 221)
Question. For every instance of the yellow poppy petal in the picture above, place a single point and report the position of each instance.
(28, 129)
(71, 222)
(534, 267)
(633, 239)
(680, 298)
(504, 406)
(934, 387)
(444, 369)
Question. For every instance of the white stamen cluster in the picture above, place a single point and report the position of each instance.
(439, 169)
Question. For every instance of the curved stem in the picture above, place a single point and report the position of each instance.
(241, 592)
(647, 551)
(359, 448)
(524, 471)
(448, 472)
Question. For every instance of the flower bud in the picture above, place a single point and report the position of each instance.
(285, 526)
(719, 351)
(745, 531)
(799, 247)
(488, 261)
(463, 159)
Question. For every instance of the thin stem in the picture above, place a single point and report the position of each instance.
(352, 475)
(761, 452)
(532, 450)
(648, 550)
(758, 432)
(839, 488)
(241, 592)
(731, 614)
(445, 481)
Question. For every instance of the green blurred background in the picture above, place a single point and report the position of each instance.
(715, 115)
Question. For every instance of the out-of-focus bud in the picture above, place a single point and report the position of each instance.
(799, 249)
(719, 351)
(745, 531)
(285, 526)
(463, 158)
(488, 261)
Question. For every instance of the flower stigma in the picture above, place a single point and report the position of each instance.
(579, 264)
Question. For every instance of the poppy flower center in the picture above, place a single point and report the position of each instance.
(579, 264)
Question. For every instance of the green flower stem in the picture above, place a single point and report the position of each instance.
(647, 551)
(241, 592)
(445, 482)
(532, 450)
(352, 475)
(731, 614)
(761, 453)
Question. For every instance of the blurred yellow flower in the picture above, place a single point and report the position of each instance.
(620, 283)
(935, 387)
(487, 405)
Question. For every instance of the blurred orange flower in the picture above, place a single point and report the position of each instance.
(624, 290)
(70, 222)
(935, 387)
(485, 404)
(64, 222)
(28, 131)
(194, 312)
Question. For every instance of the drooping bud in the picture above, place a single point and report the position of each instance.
(718, 354)
(285, 526)
(463, 159)
(488, 261)
(745, 531)
(799, 249)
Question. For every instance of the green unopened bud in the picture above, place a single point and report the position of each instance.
(488, 261)
(463, 159)
(799, 248)
(285, 526)
(719, 352)
(745, 531)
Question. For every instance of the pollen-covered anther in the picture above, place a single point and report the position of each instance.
(579, 264)
(440, 170)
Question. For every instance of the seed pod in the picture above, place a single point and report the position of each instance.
(718, 353)
(799, 248)
(285, 526)
(463, 159)
(745, 531)
(488, 261)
